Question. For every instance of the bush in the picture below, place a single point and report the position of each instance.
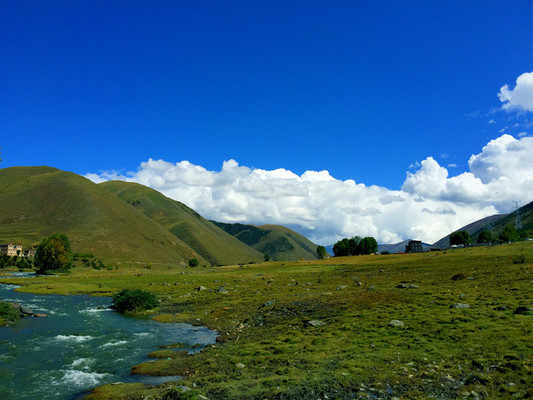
(134, 300)
(193, 262)
(521, 259)
(8, 313)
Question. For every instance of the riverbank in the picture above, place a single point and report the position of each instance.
(447, 325)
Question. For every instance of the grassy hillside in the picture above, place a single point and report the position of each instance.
(279, 242)
(39, 201)
(471, 228)
(211, 242)
(496, 223)
(526, 216)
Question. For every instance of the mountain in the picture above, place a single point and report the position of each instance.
(278, 242)
(210, 241)
(397, 247)
(38, 201)
(526, 218)
(471, 228)
(494, 223)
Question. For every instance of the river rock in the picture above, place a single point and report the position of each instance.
(26, 311)
(40, 315)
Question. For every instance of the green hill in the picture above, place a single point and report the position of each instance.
(279, 242)
(471, 228)
(495, 223)
(38, 201)
(211, 242)
(526, 217)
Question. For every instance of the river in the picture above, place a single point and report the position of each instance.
(78, 346)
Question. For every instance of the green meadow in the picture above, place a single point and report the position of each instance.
(444, 325)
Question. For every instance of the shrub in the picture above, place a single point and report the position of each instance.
(8, 313)
(193, 262)
(134, 300)
(521, 259)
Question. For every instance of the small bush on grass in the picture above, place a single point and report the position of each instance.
(521, 259)
(134, 300)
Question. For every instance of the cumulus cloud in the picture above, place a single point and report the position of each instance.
(430, 204)
(521, 97)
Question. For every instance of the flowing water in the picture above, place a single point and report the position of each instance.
(78, 346)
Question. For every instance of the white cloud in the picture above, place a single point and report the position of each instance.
(430, 204)
(521, 97)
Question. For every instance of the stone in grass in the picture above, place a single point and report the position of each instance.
(315, 323)
(200, 288)
(341, 287)
(396, 323)
(523, 310)
(402, 286)
(240, 365)
(460, 305)
(222, 290)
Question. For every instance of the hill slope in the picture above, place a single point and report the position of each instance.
(526, 217)
(471, 228)
(496, 223)
(39, 201)
(211, 242)
(279, 242)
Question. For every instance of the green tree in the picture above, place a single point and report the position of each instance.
(353, 246)
(134, 300)
(485, 237)
(341, 248)
(193, 262)
(321, 252)
(266, 257)
(368, 245)
(459, 237)
(509, 234)
(53, 255)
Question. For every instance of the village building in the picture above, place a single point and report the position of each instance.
(10, 250)
(414, 246)
(30, 253)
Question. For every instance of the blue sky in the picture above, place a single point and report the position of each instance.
(364, 90)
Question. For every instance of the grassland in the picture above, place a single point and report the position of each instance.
(464, 330)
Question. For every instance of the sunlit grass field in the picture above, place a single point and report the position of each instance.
(439, 325)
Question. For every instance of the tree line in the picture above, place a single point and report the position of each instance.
(355, 246)
(509, 234)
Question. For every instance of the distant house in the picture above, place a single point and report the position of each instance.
(30, 253)
(414, 246)
(10, 250)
